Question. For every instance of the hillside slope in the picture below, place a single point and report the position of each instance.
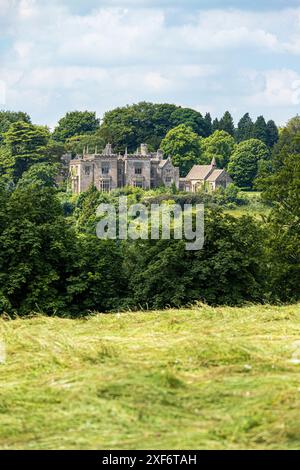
(202, 378)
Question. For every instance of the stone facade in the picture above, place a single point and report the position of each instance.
(108, 171)
(207, 176)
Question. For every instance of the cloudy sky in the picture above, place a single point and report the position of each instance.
(211, 55)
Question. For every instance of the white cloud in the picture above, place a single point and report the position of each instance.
(27, 9)
(280, 88)
(218, 29)
(60, 60)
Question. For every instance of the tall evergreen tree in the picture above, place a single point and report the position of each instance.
(272, 133)
(245, 128)
(208, 124)
(226, 123)
(260, 131)
(215, 125)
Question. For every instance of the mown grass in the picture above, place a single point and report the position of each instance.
(204, 378)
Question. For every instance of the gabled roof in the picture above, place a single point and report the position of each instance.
(163, 162)
(199, 172)
(215, 175)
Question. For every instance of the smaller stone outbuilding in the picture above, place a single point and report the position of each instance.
(207, 176)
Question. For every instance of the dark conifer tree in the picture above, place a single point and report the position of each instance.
(245, 128)
(208, 124)
(272, 133)
(260, 130)
(215, 125)
(226, 123)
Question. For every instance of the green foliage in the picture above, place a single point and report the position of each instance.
(75, 123)
(40, 174)
(228, 270)
(36, 251)
(282, 189)
(148, 123)
(245, 160)
(98, 281)
(51, 260)
(226, 123)
(272, 133)
(260, 130)
(91, 142)
(245, 128)
(8, 117)
(183, 145)
(45, 265)
(288, 143)
(208, 124)
(190, 118)
(215, 125)
(24, 145)
(219, 145)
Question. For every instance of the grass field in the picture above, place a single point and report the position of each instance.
(255, 207)
(203, 378)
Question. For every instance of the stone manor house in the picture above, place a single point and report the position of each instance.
(143, 169)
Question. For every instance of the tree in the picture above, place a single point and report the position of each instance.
(288, 143)
(272, 134)
(215, 125)
(228, 270)
(9, 117)
(25, 144)
(148, 123)
(183, 145)
(226, 123)
(260, 130)
(75, 123)
(245, 128)
(189, 117)
(219, 145)
(208, 124)
(98, 281)
(244, 162)
(282, 190)
(39, 174)
(36, 252)
(90, 142)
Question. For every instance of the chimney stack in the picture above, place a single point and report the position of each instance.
(144, 149)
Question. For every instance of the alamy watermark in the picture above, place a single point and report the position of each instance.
(153, 222)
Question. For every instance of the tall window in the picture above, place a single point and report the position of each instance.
(138, 170)
(105, 169)
(87, 170)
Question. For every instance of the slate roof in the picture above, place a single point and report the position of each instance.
(199, 172)
(214, 175)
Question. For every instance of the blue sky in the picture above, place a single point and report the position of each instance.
(98, 54)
